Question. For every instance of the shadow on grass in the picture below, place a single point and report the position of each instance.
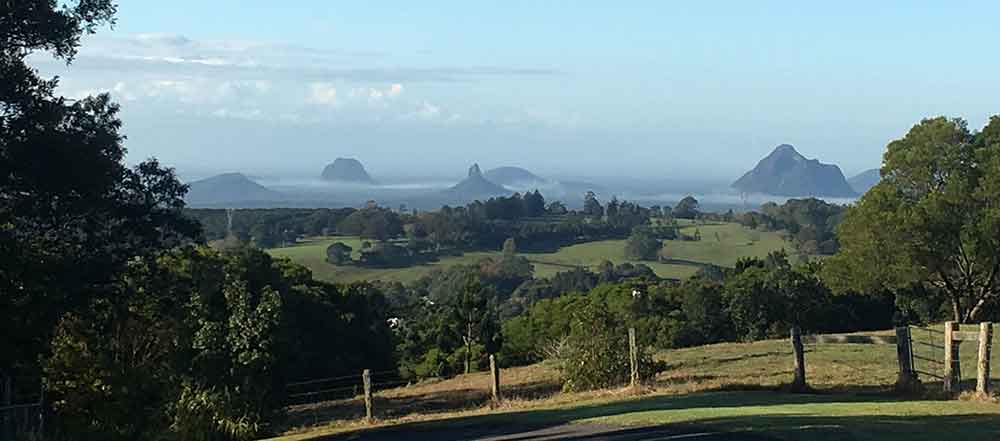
(523, 425)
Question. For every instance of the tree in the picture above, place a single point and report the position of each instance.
(642, 246)
(477, 321)
(534, 204)
(509, 248)
(932, 220)
(72, 213)
(687, 208)
(372, 223)
(338, 253)
(591, 206)
(556, 208)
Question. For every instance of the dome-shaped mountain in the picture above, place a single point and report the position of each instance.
(864, 181)
(475, 185)
(785, 172)
(228, 188)
(347, 170)
(513, 176)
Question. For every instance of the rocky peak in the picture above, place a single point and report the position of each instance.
(474, 171)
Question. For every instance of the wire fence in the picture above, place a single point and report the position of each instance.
(928, 352)
(22, 410)
(337, 387)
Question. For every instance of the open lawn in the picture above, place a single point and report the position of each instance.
(730, 387)
(312, 254)
(721, 244)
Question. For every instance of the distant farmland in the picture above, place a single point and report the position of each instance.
(721, 244)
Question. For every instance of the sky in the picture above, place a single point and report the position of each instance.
(664, 89)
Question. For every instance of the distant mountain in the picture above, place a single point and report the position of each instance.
(228, 187)
(513, 176)
(864, 181)
(475, 185)
(785, 172)
(347, 170)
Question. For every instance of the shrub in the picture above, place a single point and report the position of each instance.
(597, 351)
(642, 246)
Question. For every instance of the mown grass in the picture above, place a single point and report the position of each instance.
(724, 387)
(721, 244)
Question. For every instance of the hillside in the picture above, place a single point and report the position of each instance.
(347, 170)
(720, 387)
(513, 176)
(228, 188)
(865, 180)
(476, 186)
(785, 172)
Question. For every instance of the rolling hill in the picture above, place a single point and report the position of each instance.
(228, 188)
(513, 176)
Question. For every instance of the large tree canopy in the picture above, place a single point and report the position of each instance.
(934, 219)
(72, 213)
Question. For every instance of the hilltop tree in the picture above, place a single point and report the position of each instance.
(591, 206)
(640, 245)
(932, 220)
(372, 222)
(687, 208)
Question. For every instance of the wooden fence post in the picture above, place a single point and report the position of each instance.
(985, 345)
(495, 384)
(366, 378)
(633, 358)
(904, 353)
(952, 364)
(8, 390)
(799, 383)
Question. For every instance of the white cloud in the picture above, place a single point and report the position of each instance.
(323, 93)
(428, 111)
(248, 114)
(377, 96)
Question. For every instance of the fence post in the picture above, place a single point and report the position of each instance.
(366, 378)
(8, 390)
(799, 383)
(495, 384)
(985, 344)
(41, 411)
(904, 353)
(952, 364)
(633, 358)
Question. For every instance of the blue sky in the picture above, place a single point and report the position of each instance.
(657, 88)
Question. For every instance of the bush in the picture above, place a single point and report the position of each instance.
(642, 246)
(597, 351)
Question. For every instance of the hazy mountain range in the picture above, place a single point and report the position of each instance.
(345, 182)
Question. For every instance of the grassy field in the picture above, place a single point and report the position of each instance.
(312, 254)
(724, 387)
(721, 244)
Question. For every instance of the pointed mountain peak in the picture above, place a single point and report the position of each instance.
(786, 150)
(474, 171)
